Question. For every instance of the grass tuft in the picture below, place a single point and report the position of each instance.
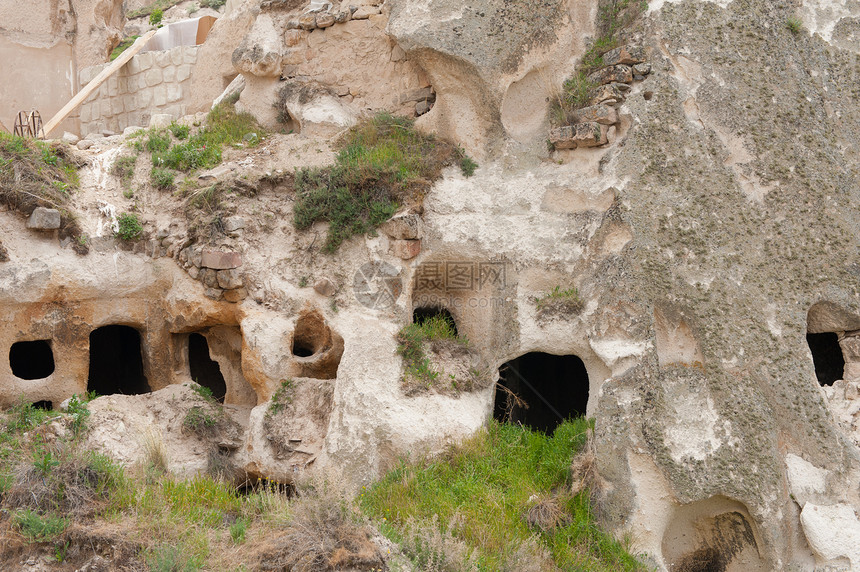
(383, 163)
(559, 302)
(129, 227)
(481, 493)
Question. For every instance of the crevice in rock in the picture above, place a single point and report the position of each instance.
(541, 390)
(205, 370)
(32, 359)
(116, 362)
(44, 404)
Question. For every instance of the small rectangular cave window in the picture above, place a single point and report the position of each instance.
(116, 362)
(827, 357)
(31, 360)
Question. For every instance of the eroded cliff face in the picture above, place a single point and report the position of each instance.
(708, 238)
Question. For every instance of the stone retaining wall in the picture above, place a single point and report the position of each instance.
(151, 82)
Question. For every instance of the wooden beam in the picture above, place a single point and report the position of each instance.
(97, 81)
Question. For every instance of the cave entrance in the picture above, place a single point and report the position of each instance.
(421, 315)
(541, 390)
(827, 357)
(116, 362)
(31, 360)
(205, 370)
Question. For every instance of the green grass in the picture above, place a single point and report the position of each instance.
(559, 300)
(411, 342)
(125, 44)
(794, 25)
(129, 227)
(479, 493)
(383, 163)
(282, 397)
(38, 527)
(161, 178)
(147, 10)
(123, 168)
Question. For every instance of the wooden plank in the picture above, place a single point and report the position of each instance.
(97, 81)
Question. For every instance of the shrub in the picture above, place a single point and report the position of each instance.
(179, 131)
(39, 528)
(411, 346)
(215, 4)
(282, 397)
(156, 16)
(383, 163)
(199, 418)
(161, 178)
(158, 141)
(794, 25)
(129, 227)
(123, 168)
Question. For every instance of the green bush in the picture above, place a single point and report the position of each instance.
(155, 16)
(161, 178)
(179, 131)
(382, 164)
(794, 25)
(158, 141)
(412, 338)
(39, 528)
(215, 4)
(129, 227)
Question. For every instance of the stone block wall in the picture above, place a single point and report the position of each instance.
(151, 82)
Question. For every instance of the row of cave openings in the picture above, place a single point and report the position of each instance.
(116, 363)
(116, 358)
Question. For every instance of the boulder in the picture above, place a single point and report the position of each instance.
(230, 279)
(627, 55)
(833, 532)
(260, 53)
(220, 260)
(612, 74)
(44, 218)
(70, 138)
(325, 287)
(405, 249)
(84, 144)
(579, 135)
(406, 226)
(317, 109)
(600, 113)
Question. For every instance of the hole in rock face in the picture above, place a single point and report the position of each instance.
(712, 535)
(319, 348)
(46, 405)
(311, 335)
(31, 360)
(421, 315)
(205, 370)
(554, 387)
(116, 362)
(827, 357)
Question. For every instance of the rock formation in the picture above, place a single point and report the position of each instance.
(702, 209)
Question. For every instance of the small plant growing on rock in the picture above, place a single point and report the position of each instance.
(282, 397)
(161, 178)
(129, 227)
(198, 418)
(559, 302)
(794, 25)
(156, 16)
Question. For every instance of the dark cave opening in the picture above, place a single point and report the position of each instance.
(827, 357)
(205, 370)
(31, 360)
(421, 315)
(553, 387)
(46, 405)
(116, 362)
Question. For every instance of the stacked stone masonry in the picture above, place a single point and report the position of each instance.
(150, 83)
(621, 67)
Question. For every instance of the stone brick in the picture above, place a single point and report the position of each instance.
(153, 77)
(325, 20)
(133, 66)
(169, 74)
(213, 293)
(220, 260)
(143, 99)
(230, 279)
(174, 93)
(397, 54)
(176, 56)
(405, 249)
(44, 219)
(627, 55)
(608, 94)
(308, 21)
(161, 59)
(580, 135)
(117, 106)
(295, 38)
(209, 277)
(144, 60)
(596, 113)
(294, 56)
(365, 12)
(616, 74)
(189, 54)
(408, 226)
(86, 113)
(423, 94)
(236, 295)
(159, 96)
(183, 72)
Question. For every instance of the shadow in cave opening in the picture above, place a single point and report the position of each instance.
(553, 387)
(205, 370)
(826, 356)
(116, 362)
